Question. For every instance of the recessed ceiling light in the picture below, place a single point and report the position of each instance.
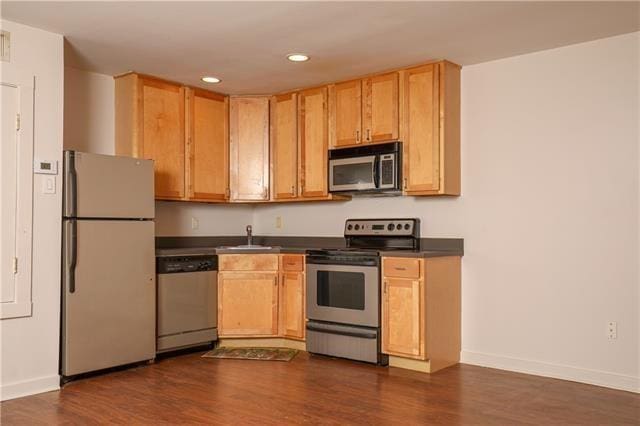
(211, 79)
(297, 57)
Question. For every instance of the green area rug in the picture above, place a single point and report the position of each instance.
(261, 354)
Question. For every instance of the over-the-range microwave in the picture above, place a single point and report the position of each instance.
(366, 170)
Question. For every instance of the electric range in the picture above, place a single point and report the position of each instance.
(343, 288)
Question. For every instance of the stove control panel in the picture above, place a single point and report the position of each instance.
(402, 227)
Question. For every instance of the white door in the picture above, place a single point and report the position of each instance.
(16, 197)
(8, 190)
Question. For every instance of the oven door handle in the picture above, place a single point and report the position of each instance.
(351, 331)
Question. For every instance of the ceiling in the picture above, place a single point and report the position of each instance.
(245, 43)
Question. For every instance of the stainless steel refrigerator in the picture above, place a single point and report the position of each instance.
(108, 262)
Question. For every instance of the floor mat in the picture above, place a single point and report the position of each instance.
(262, 354)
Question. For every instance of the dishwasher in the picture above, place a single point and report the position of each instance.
(187, 301)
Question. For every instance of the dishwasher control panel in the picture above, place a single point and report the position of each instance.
(180, 264)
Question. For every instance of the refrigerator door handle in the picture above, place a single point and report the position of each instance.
(72, 254)
(70, 185)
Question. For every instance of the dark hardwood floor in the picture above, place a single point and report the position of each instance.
(318, 390)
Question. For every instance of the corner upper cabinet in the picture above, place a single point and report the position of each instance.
(249, 148)
(314, 144)
(150, 123)
(207, 146)
(431, 129)
(284, 146)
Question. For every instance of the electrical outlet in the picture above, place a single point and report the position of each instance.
(194, 223)
(278, 222)
(612, 329)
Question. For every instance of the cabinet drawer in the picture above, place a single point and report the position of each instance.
(248, 262)
(292, 263)
(401, 267)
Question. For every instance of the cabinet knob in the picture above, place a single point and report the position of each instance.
(405, 183)
(368, 135)
(357, 136)
(293, 190)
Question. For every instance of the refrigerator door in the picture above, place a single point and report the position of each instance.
(109, 309)
(106, 186)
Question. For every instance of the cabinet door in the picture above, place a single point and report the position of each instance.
(162, 129)
(249, 130)
(208, 145)
(313, 142)
(347, 113)
(381, 108)
(422, 129)
(284, 146)
(248, 303)
(292, 294)
(403, 317)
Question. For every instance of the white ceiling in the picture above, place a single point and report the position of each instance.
(245, 43)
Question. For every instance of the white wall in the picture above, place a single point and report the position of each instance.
(89, 111)
(549, 212)
(29, 346)
(175, 219)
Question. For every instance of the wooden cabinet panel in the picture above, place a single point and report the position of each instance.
(380, 108)
(162, 133)
(403, 317)
(401, 267)
(248, 262)
(347, 113)
(292, 262)
(208, 145)
(249, 131)
(313, 142)
(422, 129)
(248, 304)
(284, 146)
(292, 302)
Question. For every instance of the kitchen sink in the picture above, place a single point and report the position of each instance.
(247, 247)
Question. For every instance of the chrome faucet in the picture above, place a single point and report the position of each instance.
(249, 235)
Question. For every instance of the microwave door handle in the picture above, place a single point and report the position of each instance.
(376, 171)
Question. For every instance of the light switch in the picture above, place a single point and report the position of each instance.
(49, 185)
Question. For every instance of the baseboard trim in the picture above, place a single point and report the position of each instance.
(556, 371)
(261, 342)
(29, 387)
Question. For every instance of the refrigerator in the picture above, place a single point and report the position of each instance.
(108, 262)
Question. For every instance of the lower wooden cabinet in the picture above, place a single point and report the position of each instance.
(248, 304)
(292, 298)
(421, 309)
(402, 321)
(261, 295)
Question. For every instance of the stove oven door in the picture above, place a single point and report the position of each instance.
(345, 294)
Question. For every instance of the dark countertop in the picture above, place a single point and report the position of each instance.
(175, 246)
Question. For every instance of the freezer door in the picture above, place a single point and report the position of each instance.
(106, 186)
(108, 315)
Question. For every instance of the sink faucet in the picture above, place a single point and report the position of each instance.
(249, 235)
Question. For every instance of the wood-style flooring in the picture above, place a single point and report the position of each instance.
(319, 390)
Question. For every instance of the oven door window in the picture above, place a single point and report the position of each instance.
(344, 290)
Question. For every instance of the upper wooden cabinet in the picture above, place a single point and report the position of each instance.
(183, 130)
(313, 142)
(380, 108)
(284, 146)
(249, 146)
(364, 111)
(347, 113)
(150, 123)
(208, 145)
(431, 129)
